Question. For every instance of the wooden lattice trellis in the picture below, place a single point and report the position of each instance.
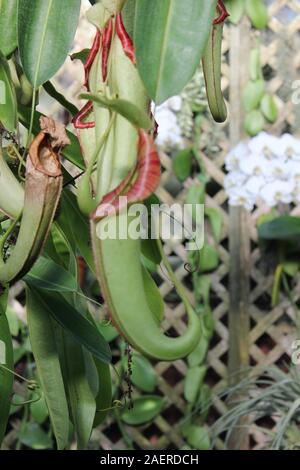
(271, 330)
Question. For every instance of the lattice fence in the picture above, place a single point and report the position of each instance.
(271, 331)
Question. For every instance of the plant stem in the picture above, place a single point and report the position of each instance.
(293, 303)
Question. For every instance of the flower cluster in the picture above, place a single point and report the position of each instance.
(265, 167)
(169, 132)
(175, 117)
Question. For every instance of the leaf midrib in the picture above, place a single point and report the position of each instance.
(164, 48)
(42, 43)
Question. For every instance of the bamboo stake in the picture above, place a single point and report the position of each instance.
(239, 241)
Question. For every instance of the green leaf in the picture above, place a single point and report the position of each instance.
(59, 249)
(46, 274)
(81, 401)
(76, 227)
(128, 110)
(252, 94)
(128, 15)
(39, 410)
(151, 251)
(258, 13)
(182, 164)
(202, 285)
(255, 65)
(209, 258)
(170, 38)
(7, 360)
(208, 323)
(254, 123)
(51, 90)
(290, 268)
(198, 355)
(45, 352)
(104, 392)
(276, 285)
(285, 228)
(81, 55)
(13, 321)
(236, 9)
(216, 222)
(204, 402)
(195, 195)
(269, 108)
(198, 438)
(2, 352)
(145, 409)
(8, 101)
(143, 375)
(45, 33)
(8, 26)
(151, 255)
(154, 298)
(33, 436)
(107, 330)
(193, 382)
(85, 332)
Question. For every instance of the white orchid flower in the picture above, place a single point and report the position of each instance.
(234, 179)
(278, 169)
(233, 158)
(168, 128)
(174, 103)
(254, 184)
(290, 146)
(239, 196)
(277, 191)
(294, 169)
(266, 167)
(254, 165)
(296, 193)
(264, 144)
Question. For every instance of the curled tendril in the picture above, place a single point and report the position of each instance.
(27, 402)
(32, 385)
(117, 404)
(165, 274)
(189, 268)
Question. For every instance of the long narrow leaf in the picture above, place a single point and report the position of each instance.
(81, 401)
(44, 348)
(48, 275)
(45, 33)
(76, 227)
(8, 103)
(8, 26)
(6, 359)
(170, 37)
(125, 108)
(51, 90)
(74, 322)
